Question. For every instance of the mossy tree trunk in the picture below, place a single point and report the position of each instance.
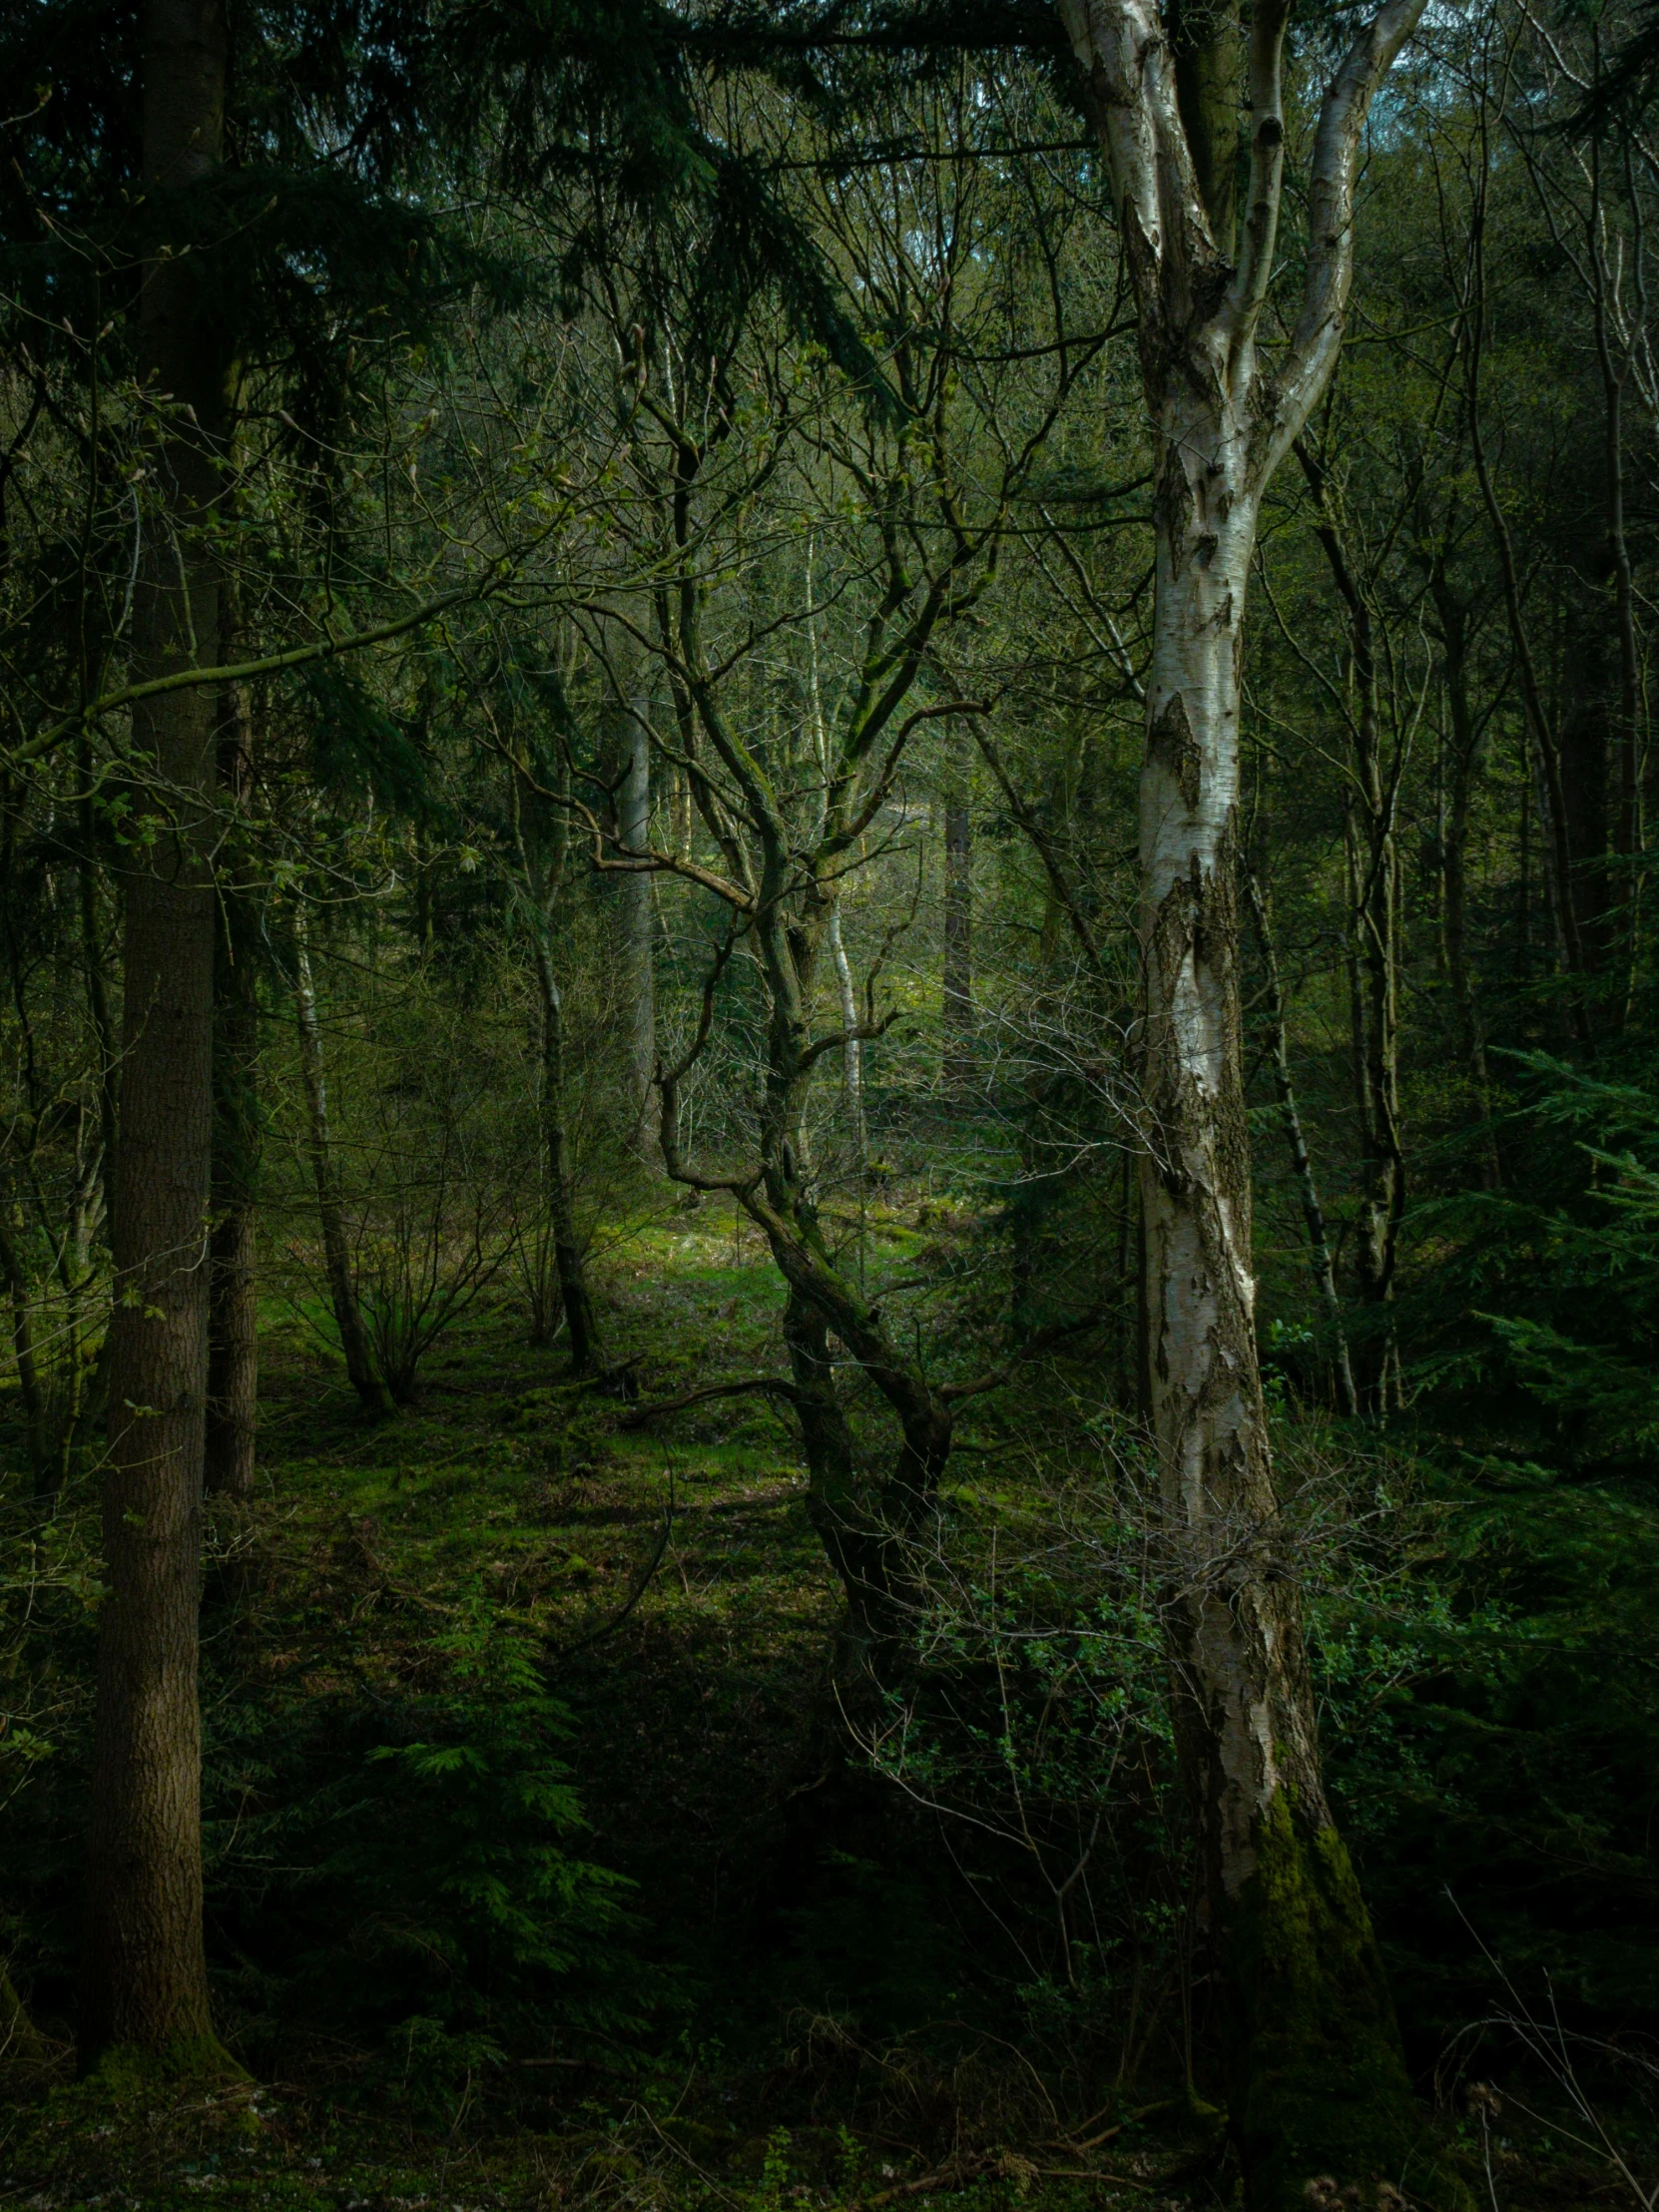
(789, 830)
(870, 1528)
(1318, 2084)
(835, 1501)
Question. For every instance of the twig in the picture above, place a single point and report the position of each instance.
(1146, 2112)
(947, 2177)
(1044, 1339)
(642, 1583)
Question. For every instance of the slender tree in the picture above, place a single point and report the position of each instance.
(634, 836)
(541, 837)
(361, 1367)
(1319, 2085)
(233, 1305)
(958, 924)
(1295, 1143)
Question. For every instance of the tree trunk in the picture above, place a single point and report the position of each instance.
(1585, 746)
(232, 1318)
(541, 835)
(1374, 972)
(144, 1983)
(1454, 844)
(1301, 1166)
(853, 1053)
(1615, 364)
(361, 1367)
(1467, 744)
(43, 1460)
(100, 1177)
(958, 929)
(639, 980)
(835, 1501)
(1375, 922)
(95, 977)
(585, 1352)
(1318, 2082)
(871, 1531)
(1555, 835)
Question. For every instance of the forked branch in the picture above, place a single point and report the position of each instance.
(1318, 336)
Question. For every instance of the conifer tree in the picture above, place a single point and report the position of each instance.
(146, 1970)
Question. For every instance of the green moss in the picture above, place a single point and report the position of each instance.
(127, 2071)
(1318, 2078)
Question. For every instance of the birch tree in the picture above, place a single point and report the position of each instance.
(1319, 2085)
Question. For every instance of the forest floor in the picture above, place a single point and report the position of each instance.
(812, 2039)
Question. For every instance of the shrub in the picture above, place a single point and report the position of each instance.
(422, 1852)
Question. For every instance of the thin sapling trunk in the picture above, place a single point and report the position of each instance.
(233, 1300)
(361, 1367)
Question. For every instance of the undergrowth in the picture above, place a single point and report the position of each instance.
(540, 1869)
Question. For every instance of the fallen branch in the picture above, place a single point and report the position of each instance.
(1130, 2119)
(947, 2177)
(774, 1385)
(1005, 2163)
(642, 1582)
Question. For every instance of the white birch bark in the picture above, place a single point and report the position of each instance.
(1318, 2082)
(853, 1053)
(1222, 424)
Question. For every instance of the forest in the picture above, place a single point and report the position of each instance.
(828, 1105)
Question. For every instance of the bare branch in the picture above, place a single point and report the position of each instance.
(1129, 92)
(1249, 288)
(770, 1384)
(1033, 1348)
(1318, 336)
